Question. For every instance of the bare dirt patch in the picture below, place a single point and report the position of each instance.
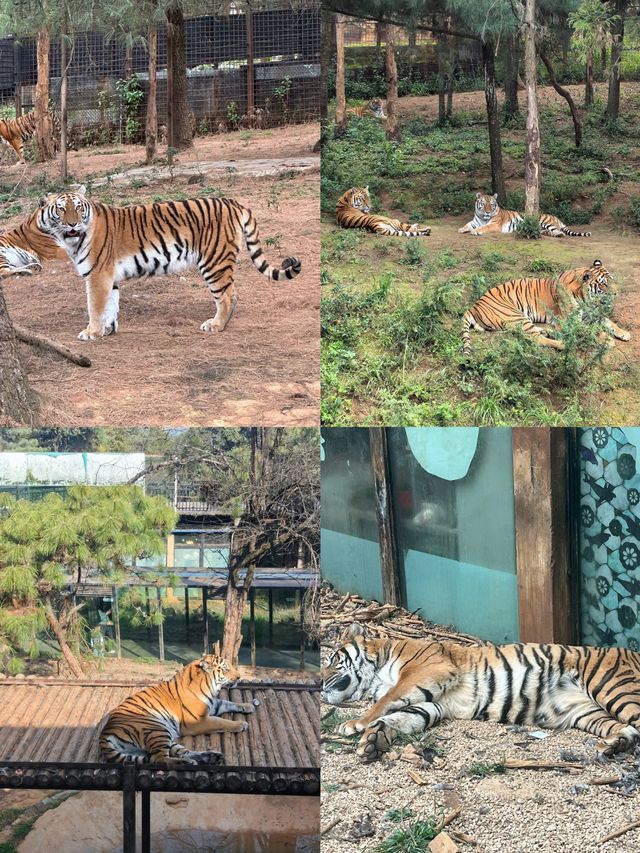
(160, 369)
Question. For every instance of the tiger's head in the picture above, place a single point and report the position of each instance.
(597, 280)
(65, 217)
(349, 671)
(358, 197)
(211, 672)
(376, 106)
(486, 206)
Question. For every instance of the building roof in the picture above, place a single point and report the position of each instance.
(49, 730)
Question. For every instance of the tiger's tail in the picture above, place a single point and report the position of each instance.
(569, 233)
(468, 323)
(290, 266)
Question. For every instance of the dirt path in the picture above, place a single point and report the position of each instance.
(160, 369)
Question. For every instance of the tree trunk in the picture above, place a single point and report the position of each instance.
(44, 131)
(341, 100)
(327, 33)
(451, 61)
(64, 89)
(179, 131)
(532, 155)
(442, 82)
(603, 62)
(60, 636)
(566, 94)
(588, 82)
(493, 121)
(151, 132)
(17, 401)
(510, 61)
(617, 37)
(392, 84)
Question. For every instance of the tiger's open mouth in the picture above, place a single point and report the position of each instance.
(71, 233)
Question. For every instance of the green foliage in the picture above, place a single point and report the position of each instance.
(398, 815)
(484, 768)
(412, 838)
(529, 228)
(130, 95)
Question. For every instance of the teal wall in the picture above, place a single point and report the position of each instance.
(351, 564)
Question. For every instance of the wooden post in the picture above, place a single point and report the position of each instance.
(186, 610)
(151, 122)
(384, 514)
(392, 83)
(148, 609)
(145, 819)
(532, 153)
(116, 620)
(270, 618)
(63, 106)
(251, 101)
(205, 626)
(171, 144)
(341, 100)
(129, 810)
(252, 626)
(160, 624)
(302, 638)
(543, 544)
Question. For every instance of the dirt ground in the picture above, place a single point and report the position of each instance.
(160, 369)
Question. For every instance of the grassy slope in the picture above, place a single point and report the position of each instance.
(392, 307)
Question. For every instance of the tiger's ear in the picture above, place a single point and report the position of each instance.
(43, 201)
(597, 263)
(82, 190)
(203, 665)
(367, 188)
(587, 276)
(478, 195)
(355, 630)
(495, 196)
(216, 649)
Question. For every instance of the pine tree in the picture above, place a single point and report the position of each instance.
(48, 547)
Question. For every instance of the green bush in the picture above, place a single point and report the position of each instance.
(528, 228)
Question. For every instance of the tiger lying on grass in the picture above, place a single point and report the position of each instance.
(111, 244)
(352, 211)
(489, 217)
(147, 725)
(14, 132)
(23, 248)
(534, 302)
(374, 109)
(416, 683)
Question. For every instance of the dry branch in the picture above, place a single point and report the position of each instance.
(535, 764)
(624, 829)
(34, 340)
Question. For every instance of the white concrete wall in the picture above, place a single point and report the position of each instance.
(98, 469)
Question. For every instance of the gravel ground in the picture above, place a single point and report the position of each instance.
(516, 811)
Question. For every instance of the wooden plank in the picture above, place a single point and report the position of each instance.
(540, 477)
(443, 843)
(384, 516)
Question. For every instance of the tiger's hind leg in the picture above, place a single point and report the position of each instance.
(209, 725)
(536, 331)
(614, 735)
(616, 331)
(218, 273)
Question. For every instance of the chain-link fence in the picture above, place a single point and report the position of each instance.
(256, 67)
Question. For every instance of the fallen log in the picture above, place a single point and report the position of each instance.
(34, 340)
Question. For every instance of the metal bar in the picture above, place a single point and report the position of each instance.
(186, 610)
(116, 620)
(148, 608)
(270, 617)
(251, 101)
(63, 103)
(302, 638)
(129, 810)
(160, 624)
(145, 818)
(205, 620)
(18, 76)
(252, 626)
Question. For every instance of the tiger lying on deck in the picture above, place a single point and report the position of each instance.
(374, 109)
(532, 302)
(147, 725)
(416, 683)
(490, 217)
(352, 211)
(23, 248)
(111, 244)
(15, 131)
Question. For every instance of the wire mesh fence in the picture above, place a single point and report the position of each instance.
(256, 67)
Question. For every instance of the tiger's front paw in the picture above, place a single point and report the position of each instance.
(250, 707)
(350, 727)
(212, 325)
(374, 743)
(91, 333)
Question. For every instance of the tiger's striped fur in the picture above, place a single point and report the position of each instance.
(416, 683)
(352, 211)
(110, 244)
(147, 725)
(534, 302)
(374, 109)
(23, 248)
(15, 131)
(490, 217)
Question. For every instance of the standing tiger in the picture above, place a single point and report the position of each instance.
(352, 211)
(110, 244)
(490, 217)
(374, 109)
(15, 131)
(23, 248)
(416, 683)
(534, 302)
(147, 725)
